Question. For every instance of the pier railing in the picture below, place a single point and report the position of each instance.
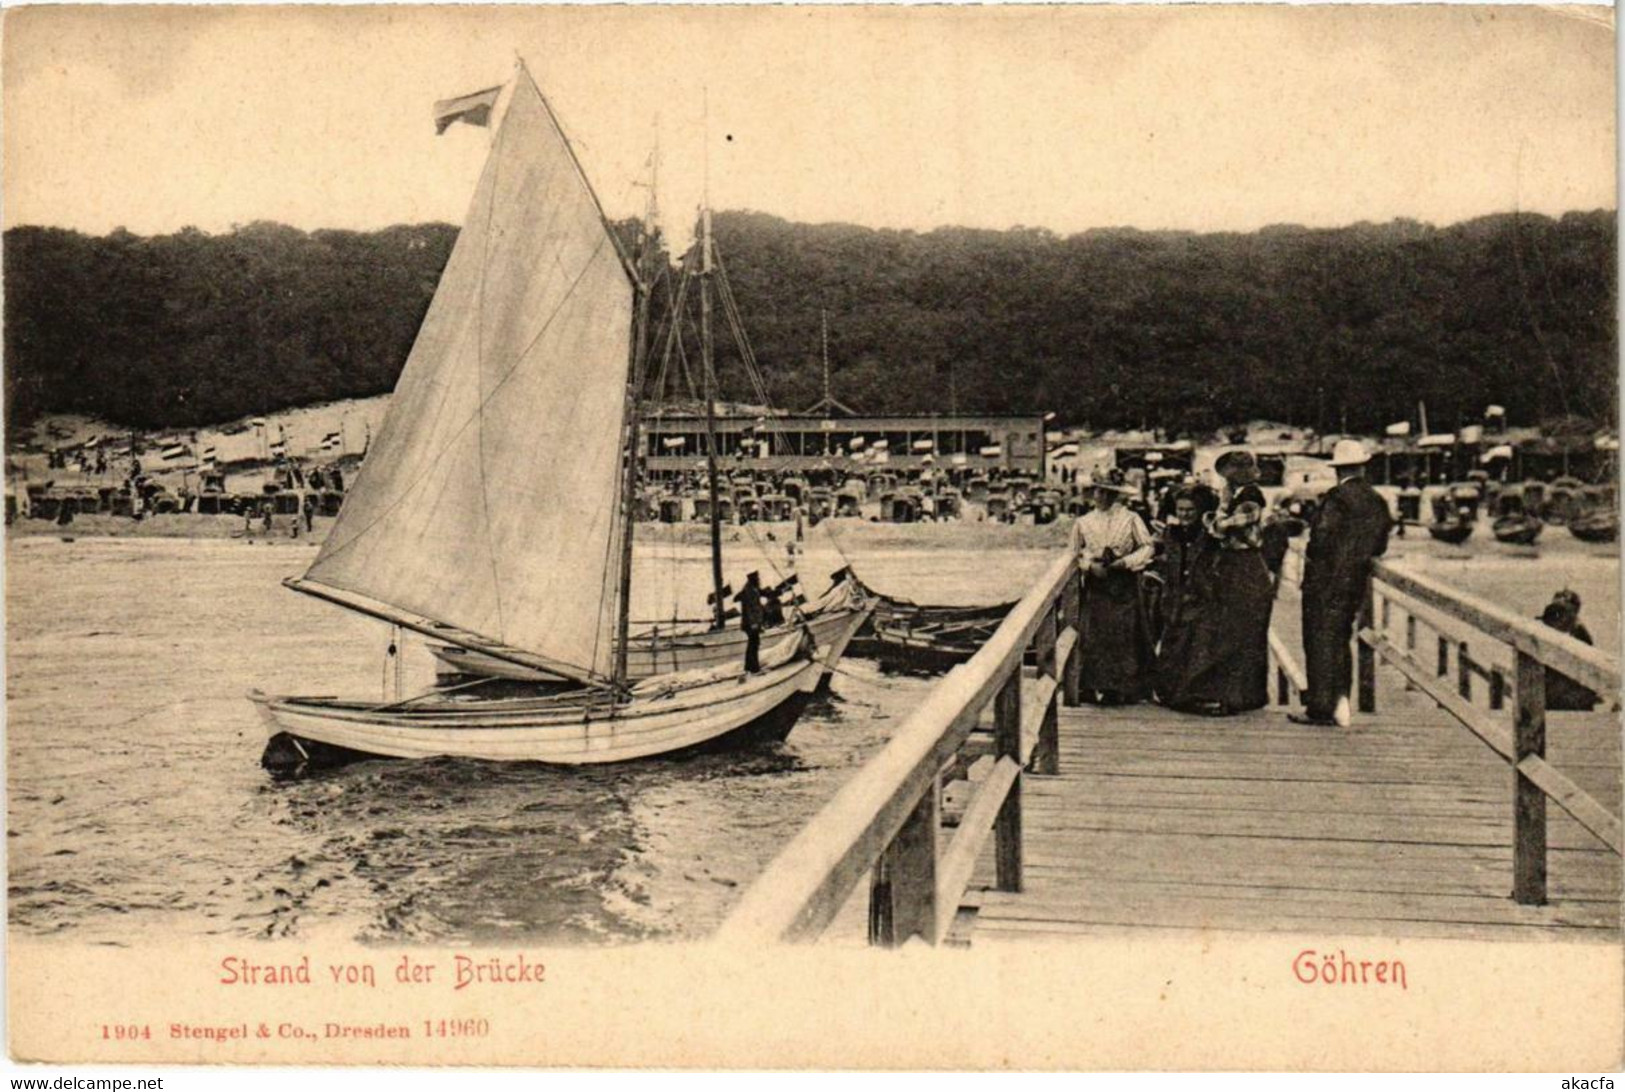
(886, 823)
(1287, 672)
(1467, 642)
(1511, 653)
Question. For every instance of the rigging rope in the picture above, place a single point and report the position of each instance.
(779, 441)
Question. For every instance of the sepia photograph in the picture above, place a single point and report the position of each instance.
(755, 537)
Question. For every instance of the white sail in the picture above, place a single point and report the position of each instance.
(488, 498)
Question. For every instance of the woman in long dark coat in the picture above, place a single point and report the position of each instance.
(1215, 650)
(1185, 588)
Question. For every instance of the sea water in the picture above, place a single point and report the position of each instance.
(138, 809)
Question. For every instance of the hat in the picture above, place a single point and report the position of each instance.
(1559, 613)
(1350, 453)
(1114, 487)
(1237, 466)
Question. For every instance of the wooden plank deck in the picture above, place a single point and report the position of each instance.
(1400, 825)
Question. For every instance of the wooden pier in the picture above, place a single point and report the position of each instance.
(1003, 810)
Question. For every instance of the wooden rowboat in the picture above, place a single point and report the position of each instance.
(903, 635)
(1454, 532)
(1595, 527)
(1517, 530)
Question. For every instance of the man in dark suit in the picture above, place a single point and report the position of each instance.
(1351, 527)
(751, 616)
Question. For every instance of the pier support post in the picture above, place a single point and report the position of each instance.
(1046, 757)
(1007, 827)
(903, 889)
(1072, 670)
(1365, 657)
(1047, 751)
(1529, 802)
(1464, 671)
(1410, 644)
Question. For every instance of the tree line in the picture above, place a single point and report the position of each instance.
(1108, 328)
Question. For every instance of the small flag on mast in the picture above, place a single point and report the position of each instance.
(475, 109)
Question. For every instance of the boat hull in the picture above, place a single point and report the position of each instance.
(905, 636)
(1453, 533)
(1595, 530)
(655, 653)
(309, 732)
(1518, 531)
(902, 653)
(288, 754)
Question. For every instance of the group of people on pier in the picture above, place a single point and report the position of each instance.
(1179, 609)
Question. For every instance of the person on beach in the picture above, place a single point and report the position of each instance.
(751, 617)
(1214, 658)
(1113, 546)
(1350, 529)
(1563, 694)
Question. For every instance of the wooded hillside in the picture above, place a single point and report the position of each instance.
(1107, 328)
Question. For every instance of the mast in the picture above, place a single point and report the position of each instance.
(707, 368)
(823, 323)
(629, 481)
(828, 403)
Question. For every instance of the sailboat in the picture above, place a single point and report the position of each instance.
(494, 510)
(689, 644)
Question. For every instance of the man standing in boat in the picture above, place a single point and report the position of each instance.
(751, 616)
(1350, 529)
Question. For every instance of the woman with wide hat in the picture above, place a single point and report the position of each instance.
(1215, 651)
(1113, 546)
